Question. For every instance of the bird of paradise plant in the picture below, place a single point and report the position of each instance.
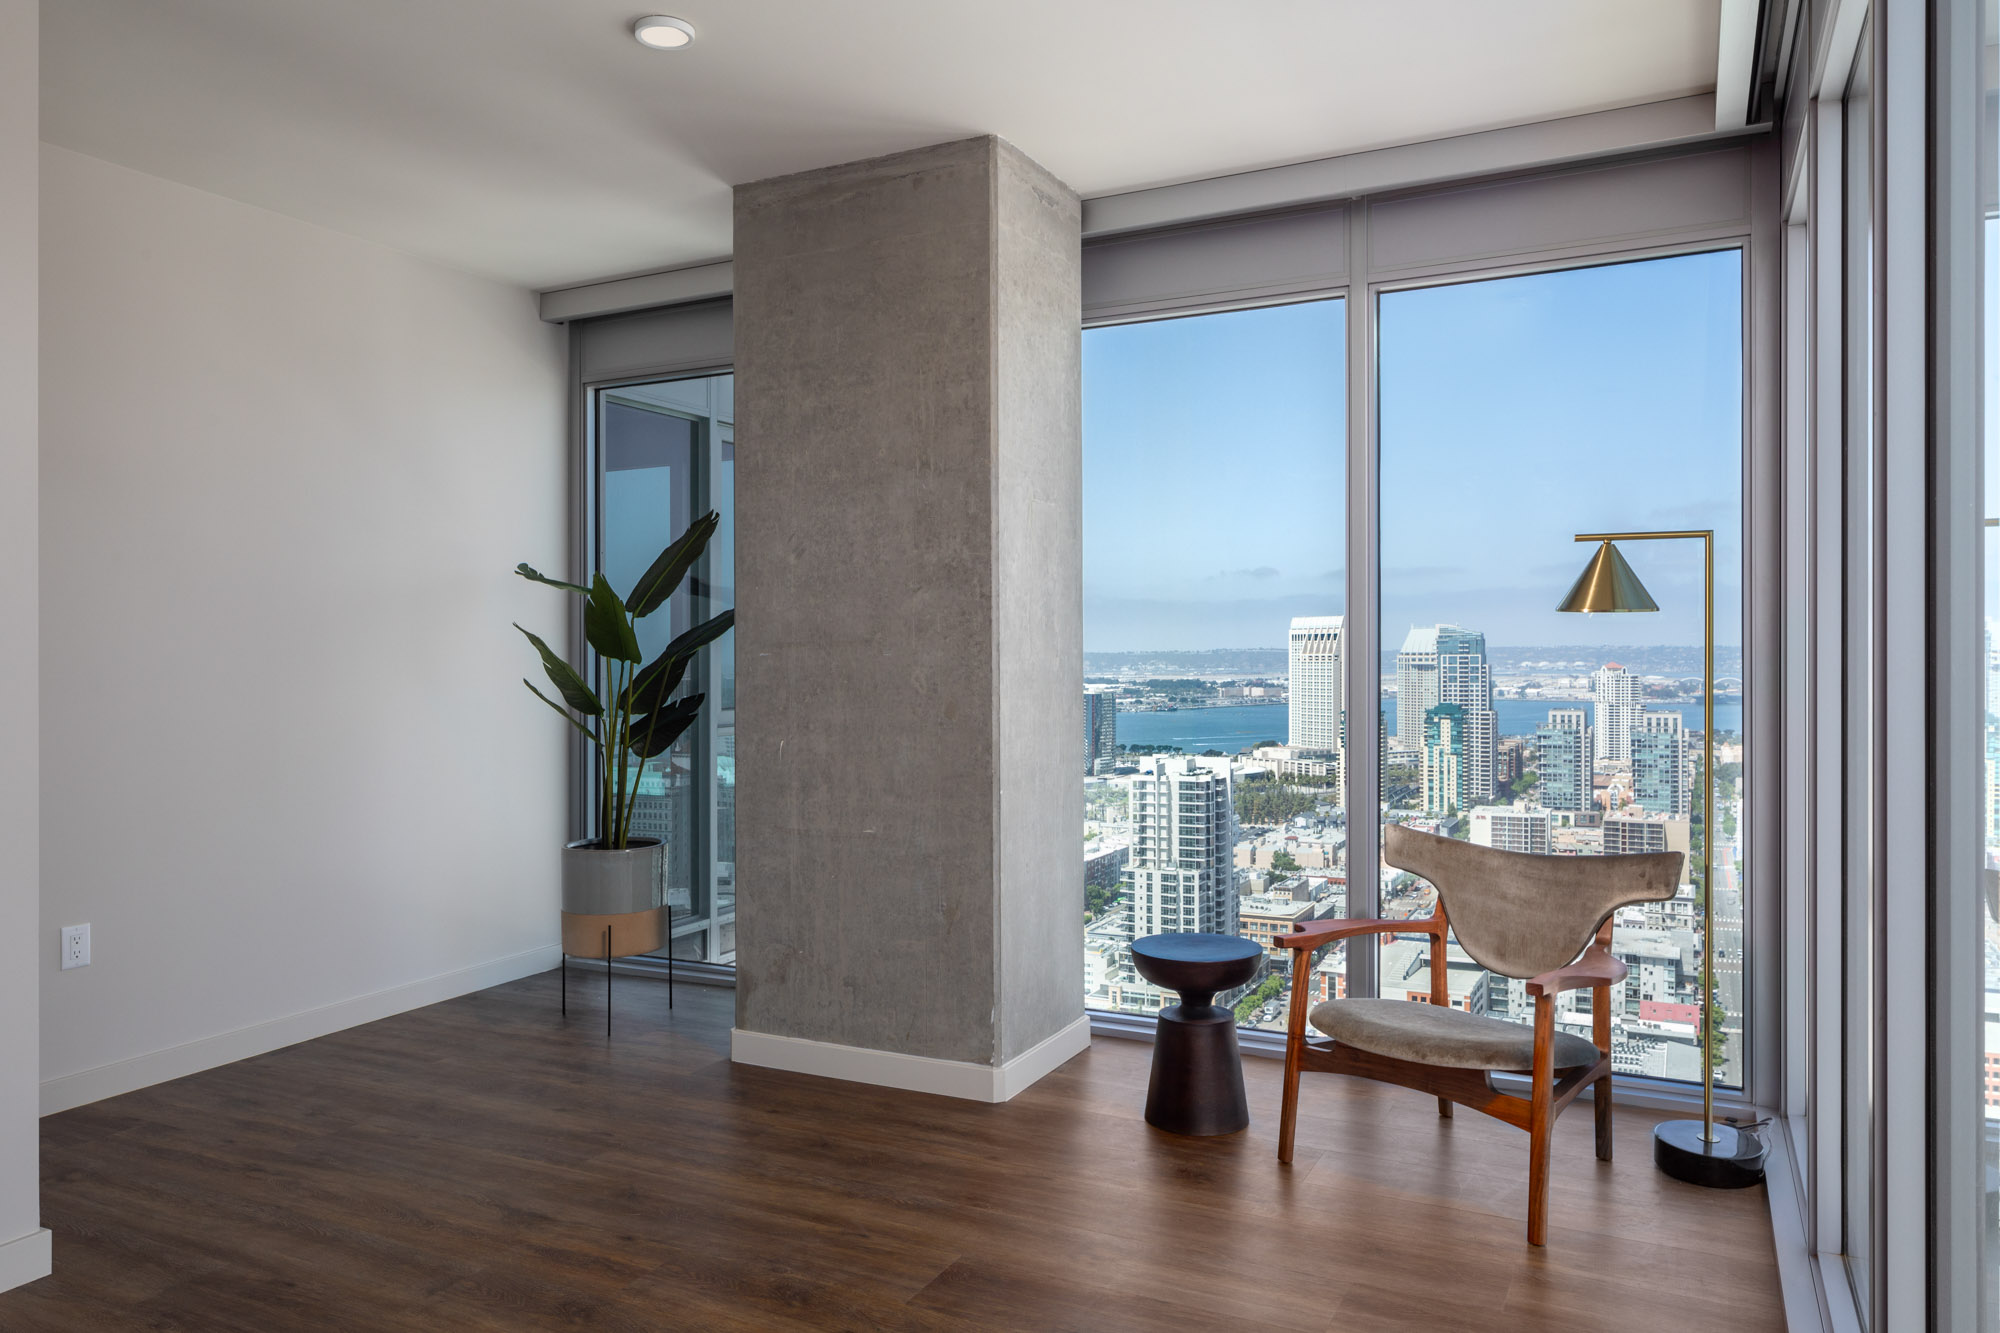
(631, 709)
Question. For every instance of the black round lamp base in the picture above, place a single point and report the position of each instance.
(1734, 1161)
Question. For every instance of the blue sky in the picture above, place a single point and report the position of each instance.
(1514, 413)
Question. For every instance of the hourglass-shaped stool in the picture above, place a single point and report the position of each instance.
(1197, 1085)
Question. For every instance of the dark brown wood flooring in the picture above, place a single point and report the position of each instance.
(485, 1164)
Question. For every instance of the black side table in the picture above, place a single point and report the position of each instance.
(1197, 1085)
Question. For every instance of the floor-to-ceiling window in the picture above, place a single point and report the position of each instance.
(664, 455)
(1214, 587)
(1237, 630)
(1516, 413)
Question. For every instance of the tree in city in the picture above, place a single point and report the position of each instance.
(1284, 862)
(1712, 1030)
(1266, 990)
(1097, 900)
(1263, 801)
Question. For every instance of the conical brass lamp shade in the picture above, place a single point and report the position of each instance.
(1608, 584)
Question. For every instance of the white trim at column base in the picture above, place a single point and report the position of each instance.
(913, 1073)
(26, 1258)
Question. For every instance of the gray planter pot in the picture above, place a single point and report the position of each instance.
(598, 882)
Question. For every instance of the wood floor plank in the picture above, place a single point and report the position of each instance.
(488, 1164)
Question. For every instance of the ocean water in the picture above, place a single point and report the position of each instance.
(1233, 729)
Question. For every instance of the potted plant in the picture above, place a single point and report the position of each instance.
(611, 889)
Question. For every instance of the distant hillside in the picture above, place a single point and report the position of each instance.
(1561, 659)
(1214, 662)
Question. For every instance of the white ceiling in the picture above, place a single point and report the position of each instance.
(535, 141)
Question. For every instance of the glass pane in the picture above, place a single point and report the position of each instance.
(1213, 588)
(717, 593)
(666, 456)
(1515, 414)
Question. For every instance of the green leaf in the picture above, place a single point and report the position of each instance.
(533, 575)
(606, 626)
(657, 682)
(655, 734)
(658, 583)
(571, 686)
(561, 712)
(648, 692)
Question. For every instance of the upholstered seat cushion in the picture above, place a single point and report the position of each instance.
(1431, 1035)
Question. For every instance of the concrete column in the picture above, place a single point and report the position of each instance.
(909, 621)
(24, 1246)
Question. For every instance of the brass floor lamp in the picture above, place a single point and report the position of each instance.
(1700, 1152)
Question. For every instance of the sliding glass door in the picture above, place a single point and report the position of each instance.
(665, 454)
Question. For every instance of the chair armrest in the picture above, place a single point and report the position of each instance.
(1596, 968)
(1315, 933)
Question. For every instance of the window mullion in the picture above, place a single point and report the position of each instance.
(1363, 683)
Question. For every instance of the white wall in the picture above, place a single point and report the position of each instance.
(24, 1249)
(289, 774)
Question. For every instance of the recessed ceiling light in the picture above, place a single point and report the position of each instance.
(663, 33)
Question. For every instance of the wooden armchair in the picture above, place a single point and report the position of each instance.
(1543, 919)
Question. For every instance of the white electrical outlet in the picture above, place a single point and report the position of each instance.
(75, 947)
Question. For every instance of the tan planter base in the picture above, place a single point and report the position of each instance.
(631, 933)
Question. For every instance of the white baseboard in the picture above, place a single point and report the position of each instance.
(25, 1258)
(66, 1091)
(1043, 1058)
(914, 1073)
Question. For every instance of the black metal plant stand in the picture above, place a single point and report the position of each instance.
(607, 972)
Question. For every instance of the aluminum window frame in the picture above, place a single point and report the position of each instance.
(586, 557)
(1757, 237)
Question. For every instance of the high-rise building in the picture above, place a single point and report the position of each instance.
(1100, 729)
(1566, 770)
(1644, 833)
(1992, 674)
(1660, 777)
(663, 808)
(1183, 848)
(1992, 746)
(1465, 678)
(1416, 685)
(1446, 664)
(1511, 828)
(1993, 786)
(1317, 706)
(1618, 709)
(1444, 761)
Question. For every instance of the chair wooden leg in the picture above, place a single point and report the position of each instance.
(1444, 1107)
(1539, 1121)
(1288, 1113)
(1295, 1046)
(1600, 1028)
